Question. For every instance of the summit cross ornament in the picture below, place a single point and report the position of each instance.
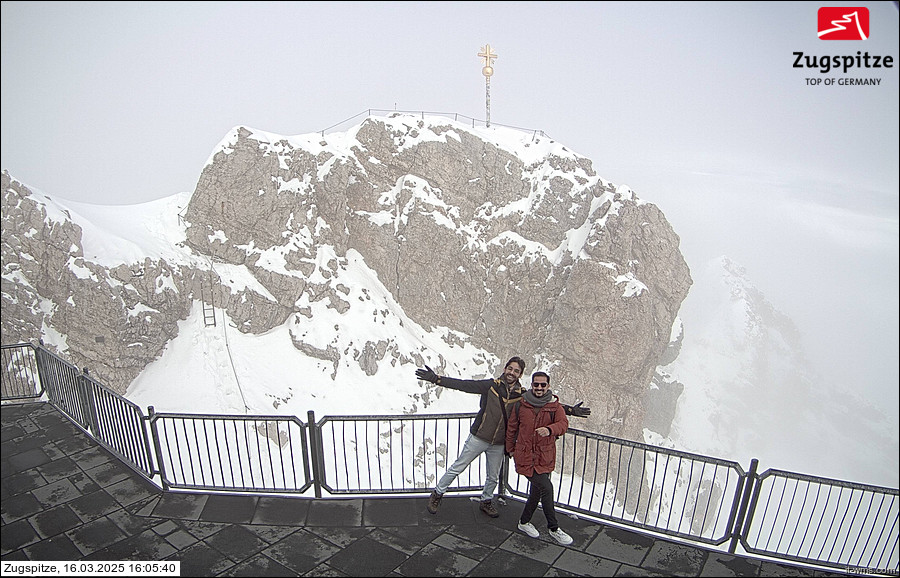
(488, 57)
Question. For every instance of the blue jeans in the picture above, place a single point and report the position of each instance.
(471, 450)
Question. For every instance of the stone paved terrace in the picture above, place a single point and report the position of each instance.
(65, 498)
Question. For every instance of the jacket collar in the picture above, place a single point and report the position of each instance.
(515, 388)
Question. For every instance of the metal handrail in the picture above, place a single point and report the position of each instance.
(238, 453)
(862, 521)
(672, 492)
(411, 453)
(21, 378)
(422, 113)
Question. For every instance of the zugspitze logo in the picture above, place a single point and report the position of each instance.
(843, 23)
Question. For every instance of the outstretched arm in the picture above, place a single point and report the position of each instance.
(428, 375)
(467, 385)
(577, 410)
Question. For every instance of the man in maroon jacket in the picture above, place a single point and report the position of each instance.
(531, 435)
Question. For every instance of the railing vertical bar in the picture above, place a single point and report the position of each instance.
(821, 518)
(356, 453)
(709, 494)
(628, 481)
(191, 451)
(880, 533)
(237, 447)
(414, 451)
(119, 425)
(606, 479)
(797, 527)
(859, 534)
(650, 499)
(172, 461)
(788, 514)
(808, 525)
(378, 454)
(284, 477)
(687, 494)
(260, 470)
(886, 542)
(662, 489)
(208, 466)
(268, 442)
(334, 450)
(575, 448)
(777, 511)
(674, 492)
(218, 444)
(402, 451)
(831, 525)
(841, 526)
(187, 449)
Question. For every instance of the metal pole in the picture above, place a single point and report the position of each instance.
(487, 70)
(487, 104)
(154, 433)
(749, 480)
(315, 451)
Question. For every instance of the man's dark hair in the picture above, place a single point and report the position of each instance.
(518, 360)
(540, 374)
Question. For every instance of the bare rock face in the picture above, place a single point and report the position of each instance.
(115, 321)
(508, 240)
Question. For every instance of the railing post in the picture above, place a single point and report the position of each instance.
(315, 445)
(87, 407)
(749, 481)
(39, 384)
(157, 448)
(43, 371)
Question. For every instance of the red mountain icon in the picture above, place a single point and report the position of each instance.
(837, 23)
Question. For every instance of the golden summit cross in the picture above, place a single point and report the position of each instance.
(487, 70)
(488, 55)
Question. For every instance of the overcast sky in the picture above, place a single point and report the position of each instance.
(695, 106)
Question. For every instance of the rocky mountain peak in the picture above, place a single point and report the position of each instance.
(496, 240)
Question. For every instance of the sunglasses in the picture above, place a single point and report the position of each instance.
(535, 384)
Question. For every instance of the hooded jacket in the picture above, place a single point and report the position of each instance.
(533, 453)
(496, 399)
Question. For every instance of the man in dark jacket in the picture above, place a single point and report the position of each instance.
(488, 431)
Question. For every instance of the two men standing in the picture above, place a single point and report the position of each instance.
(488, 432)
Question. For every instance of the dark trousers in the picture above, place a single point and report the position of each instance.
(541, 491)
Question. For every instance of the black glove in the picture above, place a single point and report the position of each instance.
(578, 411)
(427, 375)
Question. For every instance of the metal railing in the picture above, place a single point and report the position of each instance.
(231, 452)
(667, 491)
(116, 423)
(21, 379)
(778, 514)
(423, 113)
(401, 454)
(822, 521)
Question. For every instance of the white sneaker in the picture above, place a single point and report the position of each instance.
(529, 529)
(561, 537)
